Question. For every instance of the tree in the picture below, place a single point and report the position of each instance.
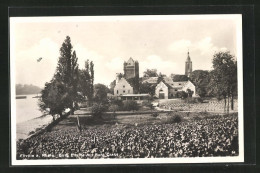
(224, 77)
(67, 73)
(150, 73)
(87, 80)
(62, 91)
(112, 86)
(97, 110)
(147, 88)
(134, 82)
(53, 98)
(178, 78)
(100, 93)
(201, 80)
(91, 80)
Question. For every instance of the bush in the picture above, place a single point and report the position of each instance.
(148, 104)
(119, 103)
(130, 105)
(176, 119)
(97, 109)
(181, 94)
(155, 114)
(113, 108)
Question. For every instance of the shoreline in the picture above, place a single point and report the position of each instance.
(43, 128)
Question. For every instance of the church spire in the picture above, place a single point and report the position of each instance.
(188, 57)
(188, 65)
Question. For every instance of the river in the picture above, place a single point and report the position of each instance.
(29, 117)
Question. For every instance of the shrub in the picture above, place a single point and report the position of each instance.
(113, 108)
(130, 105)
(176, 119)
(31, 132)
(97, 110)
(181, 94)
(119, 103)
(155, 114)
(147, 104)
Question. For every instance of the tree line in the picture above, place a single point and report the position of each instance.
(27, 89)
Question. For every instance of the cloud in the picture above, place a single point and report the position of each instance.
(85, 54)
(201, 52)
(179, 45)
(115, 64)
(29, 71)
(156, 62)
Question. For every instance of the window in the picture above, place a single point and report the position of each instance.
(176, 90)
(123, 86)
(117, 91)
(123, 91)
(179, 83)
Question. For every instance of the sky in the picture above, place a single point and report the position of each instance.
(156, 42)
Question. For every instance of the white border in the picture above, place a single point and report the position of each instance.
(235, 17)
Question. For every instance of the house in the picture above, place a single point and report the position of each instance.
(122, 87)
(166, 89)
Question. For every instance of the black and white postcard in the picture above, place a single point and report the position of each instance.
(127, 89)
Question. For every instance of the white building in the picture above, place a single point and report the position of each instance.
(161, 90)
(122, 87)
(167, 89)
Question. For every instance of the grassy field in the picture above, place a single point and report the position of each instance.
(87, 121)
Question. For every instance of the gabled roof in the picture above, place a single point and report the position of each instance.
(123, 80)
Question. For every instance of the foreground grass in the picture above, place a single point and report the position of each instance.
(200, 134)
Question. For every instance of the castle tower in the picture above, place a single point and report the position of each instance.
(188, 66)
(131, 69)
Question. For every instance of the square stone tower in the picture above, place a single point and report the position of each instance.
(131, 69)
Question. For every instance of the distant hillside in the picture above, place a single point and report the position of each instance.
(27, 89)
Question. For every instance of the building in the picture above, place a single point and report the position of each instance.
(122, 87)
(131, 69)
(166, 88)
(162, 90)
(188, 66)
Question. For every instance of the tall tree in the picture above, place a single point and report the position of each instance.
(224, 76)
(92, 79)
(67, 73)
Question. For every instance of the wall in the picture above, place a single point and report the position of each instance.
(121, 86)
(163, 87)
(190, 86)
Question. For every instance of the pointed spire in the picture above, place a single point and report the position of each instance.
(188, 58)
